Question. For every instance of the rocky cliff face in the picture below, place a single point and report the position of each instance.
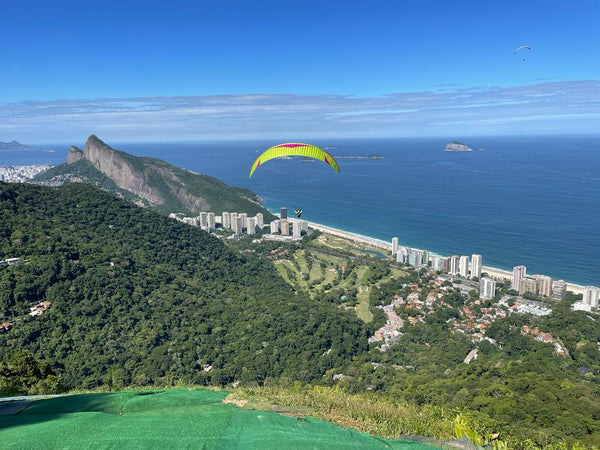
(75, 154)
(110, 163)
(149, 182)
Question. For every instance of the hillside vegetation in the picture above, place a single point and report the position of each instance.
(137, 298)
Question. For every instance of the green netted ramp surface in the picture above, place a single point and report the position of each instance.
(177, 419)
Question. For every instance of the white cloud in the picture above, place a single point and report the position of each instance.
(550, 107)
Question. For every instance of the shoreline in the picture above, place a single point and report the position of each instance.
(385, 245)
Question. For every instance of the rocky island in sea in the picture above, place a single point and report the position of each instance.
(456, 146)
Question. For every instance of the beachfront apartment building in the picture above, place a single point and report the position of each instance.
(210, 220)
(454, 265)
(437, 263)
(283, 213)
(519, 272)
(476, 262)
(296, 232)
(285, 226)
(559, 289)
(487, 288)
(463, 266)
(394, 245)
(402, 255)
(415, 257)
(529, 285)
(274, 226)
(591, 294)
(260, 220)
(544, 285)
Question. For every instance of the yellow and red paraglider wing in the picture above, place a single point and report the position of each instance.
(294, 149)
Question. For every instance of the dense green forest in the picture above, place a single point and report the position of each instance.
(138, 298)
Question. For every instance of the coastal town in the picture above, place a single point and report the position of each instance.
(20, 174)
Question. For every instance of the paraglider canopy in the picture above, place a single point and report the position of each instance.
(522, 47)
(294, 149)
(298, 212)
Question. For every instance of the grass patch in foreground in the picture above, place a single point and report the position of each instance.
(368, 413)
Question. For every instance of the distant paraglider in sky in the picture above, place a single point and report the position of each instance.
(298, 212)
(522, 47)
(294, 149)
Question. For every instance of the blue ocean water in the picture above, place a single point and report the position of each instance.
(525, 200)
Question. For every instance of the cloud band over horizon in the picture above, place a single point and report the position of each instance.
(566, 107)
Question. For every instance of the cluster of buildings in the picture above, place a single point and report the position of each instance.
(537, 285)
(282, 229)
(38, 309)
(589, 302)
(544, 337)
(389, 332)
(454, 265)
(237, 222)
(19, 174)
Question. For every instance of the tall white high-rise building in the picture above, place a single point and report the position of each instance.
(210, 217)
(446, 264)
(559, 289)
(203, 219)
(437, 263)
(454, 264)
(415, 257)
(285, 227)
(487, 288)
(244, 216)
(226, 220)
(463, 266)
(274, 226)
(394, 245)
(304, 226)
(519, 272)
(296, 229)
(233, 217)
(402, 255)
(237, 225)
(544, 285)
(476, 262)
(590, 296)
(251, 225)
(260, 220)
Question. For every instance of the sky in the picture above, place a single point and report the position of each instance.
(156, 70)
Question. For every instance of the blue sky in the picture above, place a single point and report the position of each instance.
(225, 70)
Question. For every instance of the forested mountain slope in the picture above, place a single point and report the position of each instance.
(140, 298)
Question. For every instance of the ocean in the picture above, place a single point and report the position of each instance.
(532, 201)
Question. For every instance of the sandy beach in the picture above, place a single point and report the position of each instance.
(385, 245)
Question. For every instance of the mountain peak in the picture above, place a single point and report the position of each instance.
(150, 182)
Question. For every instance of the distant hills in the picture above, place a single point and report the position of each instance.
(14, 145)
(150, 182)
